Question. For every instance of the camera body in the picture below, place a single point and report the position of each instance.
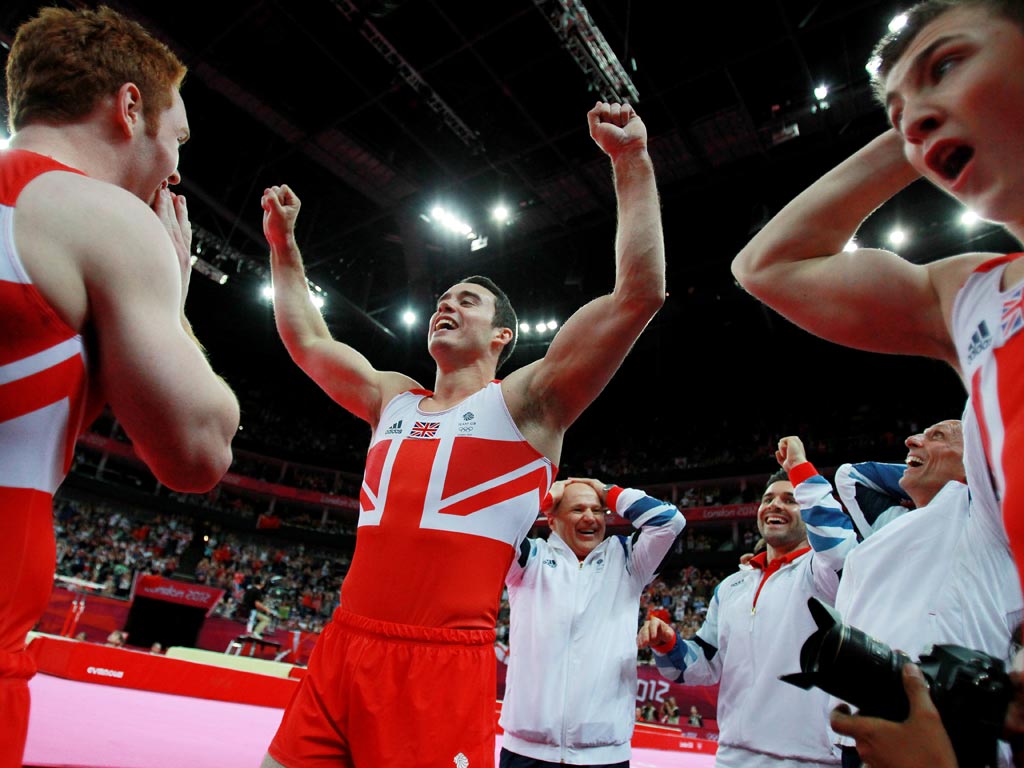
(970, 689)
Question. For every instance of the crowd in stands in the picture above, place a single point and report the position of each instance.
(110, 544)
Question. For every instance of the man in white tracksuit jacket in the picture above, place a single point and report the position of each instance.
(575, 602)
(756, 624)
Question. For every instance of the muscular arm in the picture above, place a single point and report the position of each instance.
(869, 299)
(592, 344)
(341, 371)
(180, 415)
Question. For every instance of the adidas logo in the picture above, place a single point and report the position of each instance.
(981, 340)
(394, 429)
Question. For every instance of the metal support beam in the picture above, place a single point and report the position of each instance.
(585, 43)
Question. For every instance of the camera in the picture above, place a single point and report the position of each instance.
(970, 689)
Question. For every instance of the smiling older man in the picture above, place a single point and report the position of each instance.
(941, 573)
(575, 602)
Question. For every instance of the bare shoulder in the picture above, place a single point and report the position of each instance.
(392, 384)
(525, 400)
(948, 275)
(1014, 273)
(88, 215)
(69, 231)
(516, 389)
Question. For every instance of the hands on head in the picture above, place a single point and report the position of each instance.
(557, 490)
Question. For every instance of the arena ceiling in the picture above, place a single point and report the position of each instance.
(377, 110)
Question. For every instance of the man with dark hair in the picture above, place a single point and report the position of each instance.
(504, 314)
(94, 268)
(952, 82)
(755, 626)
(454, 478)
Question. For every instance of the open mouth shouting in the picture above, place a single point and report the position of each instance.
(948, 159)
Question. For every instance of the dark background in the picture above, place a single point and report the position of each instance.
(374, 111)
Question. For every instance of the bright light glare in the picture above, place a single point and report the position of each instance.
(524, 327)
(4, 142)
(851, 246)
(500, 214)
(821, 92)
(540, 327)
(898, 22)
(873, 65)
(451, 222)
(897, 237)
(318, 301)
(267, 292)
(968, 218)
(409, 317)
(552, 325)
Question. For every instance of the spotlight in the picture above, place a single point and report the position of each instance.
(897, 237)
(210, 271)
(821, 92)
(409, 317)
(524, 327)
(969, 218)
(267, 292)
(552, 325)
(500, 214)
(851, 246)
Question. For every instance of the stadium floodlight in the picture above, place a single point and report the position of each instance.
(409, 318)
(969, 218)
(821, 92)
(897, 236)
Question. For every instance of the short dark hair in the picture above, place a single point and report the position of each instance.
(776, 476)
(894, 44)
(504, 314)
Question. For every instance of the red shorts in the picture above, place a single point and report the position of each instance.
(15, 671)
(392, 696)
